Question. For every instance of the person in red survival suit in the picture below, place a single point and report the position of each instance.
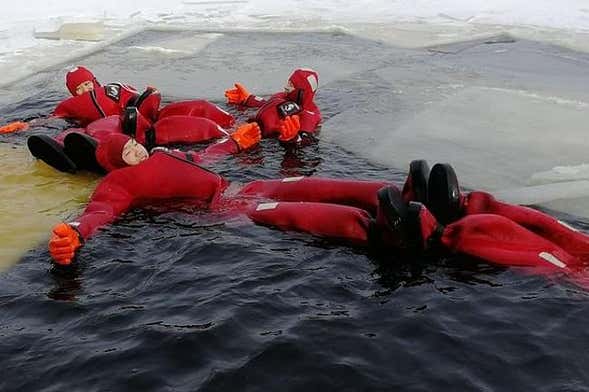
(70, 153)
(91, 101)
(116, 150)
(294, 204)
(291, 115)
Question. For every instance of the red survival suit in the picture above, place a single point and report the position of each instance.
(178, 129)
(103, 101)
(67, 154)
(114, 98)
(299, 101)
(110, 147)
(336, 209)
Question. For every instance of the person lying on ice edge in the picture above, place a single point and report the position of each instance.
(297, 98)
(427, 215)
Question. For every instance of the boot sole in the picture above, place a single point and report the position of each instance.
(443, 198)
(51, 152)
(129, 123)
(393, 207)
(82, 150)
(419, 172)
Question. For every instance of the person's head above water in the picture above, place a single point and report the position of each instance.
(301, 86)
(80, 80)
(118, 150)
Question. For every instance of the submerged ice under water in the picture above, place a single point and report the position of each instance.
(185, 301)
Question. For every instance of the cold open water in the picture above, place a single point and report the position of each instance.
(183, 300)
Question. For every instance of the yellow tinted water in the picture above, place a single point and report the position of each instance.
(34, 197)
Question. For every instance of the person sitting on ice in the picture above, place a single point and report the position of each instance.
(276, 114)
(373, 214)
(91, 101)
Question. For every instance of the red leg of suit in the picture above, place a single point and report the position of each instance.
(198, 108)
(490, 237)
(499, 240)
(331, 221)
(574, 242)
(361, 194)
(109, 123)
(168, 130)
(185, 129)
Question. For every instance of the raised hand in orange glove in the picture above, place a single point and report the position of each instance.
(63, 244)
(289, 128)
(247, 135)
(237, 95)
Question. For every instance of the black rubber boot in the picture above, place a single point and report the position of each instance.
(443, 199)
(129, 123)
(395, 212)
(415, 188)
(51, 152)
(408, 226)
(81, 149)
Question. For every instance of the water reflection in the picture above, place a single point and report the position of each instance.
(67, 282)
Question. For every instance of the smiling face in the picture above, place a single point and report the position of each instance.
(134, 153)
(84, 87)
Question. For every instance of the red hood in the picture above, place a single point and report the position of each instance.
(79, 75)
(109, 152)
(305, 82)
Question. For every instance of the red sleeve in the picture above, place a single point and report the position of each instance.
(216, 151)
(79, 108)
(90, 106)
(211, 154)
(111, 199)
(253, 101)
(161, 177)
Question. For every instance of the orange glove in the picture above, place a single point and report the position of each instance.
(247, 135)
(289, 128)
(237, 95)
(14, 127)
(63, 244)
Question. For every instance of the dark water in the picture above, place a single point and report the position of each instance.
(183, 301)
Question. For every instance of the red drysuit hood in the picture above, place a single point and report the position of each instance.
(109, 152)
(305, 82)
(77, 76)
